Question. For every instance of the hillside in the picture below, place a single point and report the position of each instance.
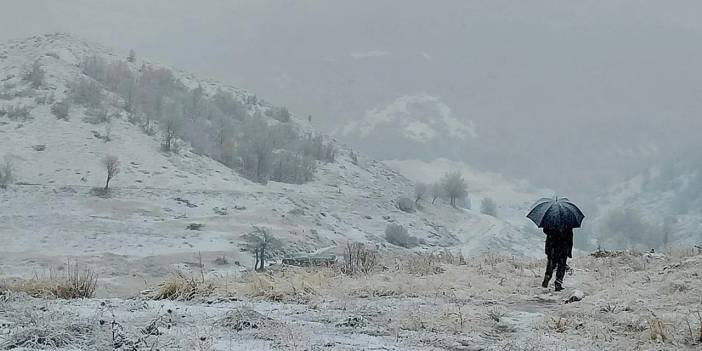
(659, 207)
(138, 233)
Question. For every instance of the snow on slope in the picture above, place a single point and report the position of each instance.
(51, 214)
(668, 193)
(514, 197)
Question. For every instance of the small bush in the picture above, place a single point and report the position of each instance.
(38, 329)
(281, 115)
(657, 329)
(183, 287)
(405, 204)
(397, 235)
(44, 99)
(97, 116)
(74, 283)
(87, 92)
(61, 109)
(195, 226)
(489, 207)
(496, 314)
(359, 259)
(17, 112)
(35, 76)
(7, 175)
(354, 158)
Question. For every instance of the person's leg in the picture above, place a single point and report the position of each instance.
(549, 272)
(560, 272)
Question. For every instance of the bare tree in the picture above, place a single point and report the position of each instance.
(437, 190)
(262, 243)
(420, 190)
(111, 164)
(171, 126)
(454, 187)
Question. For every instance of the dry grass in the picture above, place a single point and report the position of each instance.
(181, 286)
(34, 325)
(496, 313)
(74, 282)
(358, 258)
(658, 330)
(440, 273)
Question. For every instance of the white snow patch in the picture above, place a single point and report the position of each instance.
(358, 55)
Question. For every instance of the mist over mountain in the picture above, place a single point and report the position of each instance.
(574, 97)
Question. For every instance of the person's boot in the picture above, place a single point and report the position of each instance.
(558, 286)
(547, 279)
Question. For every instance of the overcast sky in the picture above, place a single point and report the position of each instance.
(594, 89)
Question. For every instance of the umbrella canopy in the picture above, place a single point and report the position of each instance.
(556, 213)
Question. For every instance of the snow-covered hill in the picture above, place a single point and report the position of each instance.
(514, 198)
(667, 198)
(50, 213)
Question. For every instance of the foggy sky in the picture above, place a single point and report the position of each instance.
(592, 90)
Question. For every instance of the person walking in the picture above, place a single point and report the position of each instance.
(558, 248)
(557, 217)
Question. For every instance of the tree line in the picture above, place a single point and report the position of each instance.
(256, 140)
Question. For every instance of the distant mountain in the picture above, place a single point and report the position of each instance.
(412, 126)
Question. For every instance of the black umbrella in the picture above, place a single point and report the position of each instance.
(556, 213)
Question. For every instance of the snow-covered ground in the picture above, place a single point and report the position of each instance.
(514, 198)
(629, 302)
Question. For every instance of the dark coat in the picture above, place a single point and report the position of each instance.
(559, 242)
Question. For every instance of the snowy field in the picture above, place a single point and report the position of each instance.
(629, 302)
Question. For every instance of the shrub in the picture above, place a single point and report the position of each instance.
(61, 109)
(437, 191)
(292, 168)
(87, 92)
(281, 115)
(397, 235)
(359, 259)
(354, 158)
(183, 287)
(17, 112)
(194, 226)
(35, 76)
(405, 204)
(6, 173)
(46, 329)
(420, 190)
(44, 99)
(228, 105)
(74, 283)
(489, 207)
